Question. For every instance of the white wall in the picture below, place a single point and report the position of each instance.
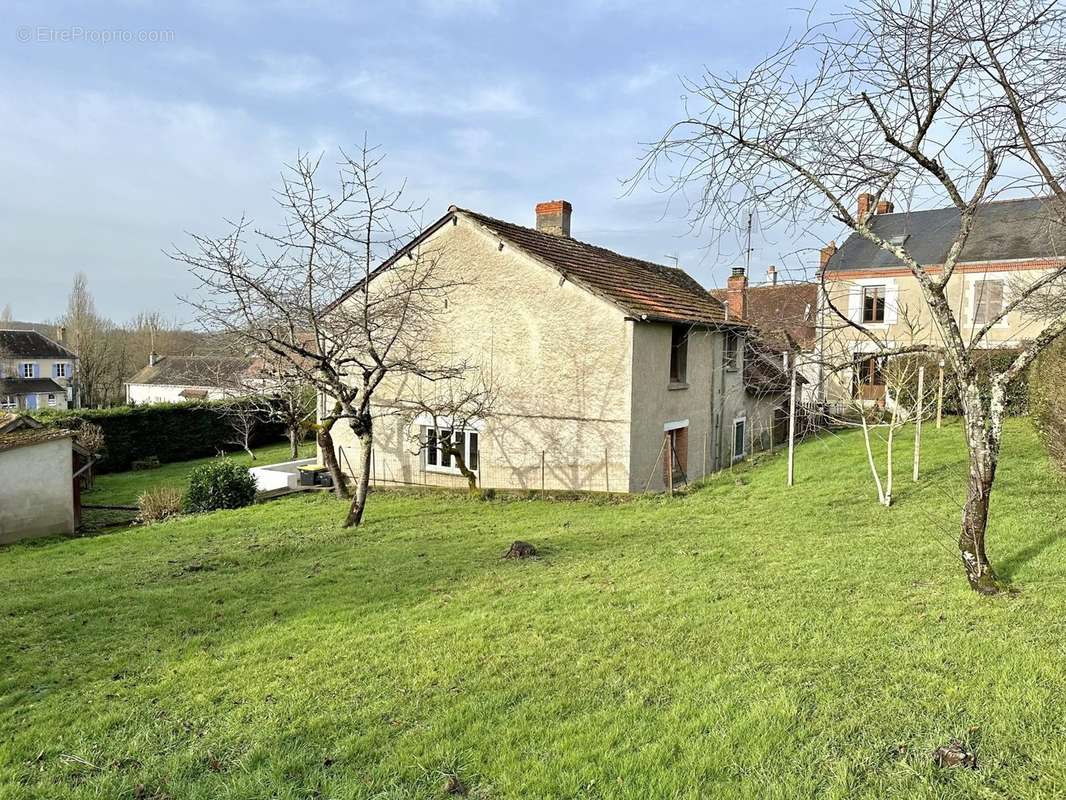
(36, 490)
(141, 393)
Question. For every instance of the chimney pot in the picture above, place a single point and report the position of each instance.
(152, 358)
(737, 294)
(771, 275)
(885, 207)
(866, 202)
(554, 217)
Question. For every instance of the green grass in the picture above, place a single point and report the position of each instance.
(742, 641)
(123, 488)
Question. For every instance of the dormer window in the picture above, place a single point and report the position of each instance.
(679, 354)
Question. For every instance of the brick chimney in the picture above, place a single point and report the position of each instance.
(554, 217)
(736, 294)
(826, 253)
(771, 275)
(885, 207)
(866, 202)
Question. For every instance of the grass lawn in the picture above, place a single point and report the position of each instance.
(123, 488)
(742, 641)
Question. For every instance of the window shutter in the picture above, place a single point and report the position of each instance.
(891, 304)
(855, 304)
(55, 370)
(36, 370)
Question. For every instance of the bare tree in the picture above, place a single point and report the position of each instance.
(6, 315)
(931, 100)
(335, 295)
(243, 416)
(99, 347)
(450, 410)
(282, 395)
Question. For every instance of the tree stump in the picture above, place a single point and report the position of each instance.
(520, 549)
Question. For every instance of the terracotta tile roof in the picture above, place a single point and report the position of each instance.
(641, 288)
(785, 308)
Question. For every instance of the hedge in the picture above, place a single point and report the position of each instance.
(988, 361)
(1048, 399)
(166, 431)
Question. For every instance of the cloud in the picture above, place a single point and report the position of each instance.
(281, 74)
(410, 94)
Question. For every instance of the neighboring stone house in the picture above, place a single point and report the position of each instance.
(36, 372)
(613, 373)
(39, 481)
(1013, 242)
(176, 379)
(784, 318)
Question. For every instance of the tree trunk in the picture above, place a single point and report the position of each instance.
(329, 458)
(983, 432)
(465, 471)
(294, 442)
(355, 511)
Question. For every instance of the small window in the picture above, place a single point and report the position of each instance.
(679, 354)
(7, 401)
(739, 437)
(732, 350)
(61, 369)
(987, 301)
(27, 370)
(51, 399)
(873, 304)
(440, 459)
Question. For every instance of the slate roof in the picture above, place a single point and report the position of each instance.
(784, 308)
(30, 344)
(192, 371)
(641, 288)
(1003, 230)
(29, 386)
(28, 436)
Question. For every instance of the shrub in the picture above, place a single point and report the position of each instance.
(219, 484)
(166, 431)
(1048, 400)
(988, 362)
(159, 503)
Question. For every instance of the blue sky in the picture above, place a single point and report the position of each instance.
(112, 150)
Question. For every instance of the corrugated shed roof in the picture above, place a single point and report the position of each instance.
(1003, 230)
(193, 371)
(641, 288)
(30, 344)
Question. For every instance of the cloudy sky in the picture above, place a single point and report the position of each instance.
(112, 148)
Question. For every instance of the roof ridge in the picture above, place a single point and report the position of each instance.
(576, 241)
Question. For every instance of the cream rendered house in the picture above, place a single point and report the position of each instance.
(1012, 244)
(35, 372)
(613, 373)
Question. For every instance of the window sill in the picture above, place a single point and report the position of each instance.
(674, 386)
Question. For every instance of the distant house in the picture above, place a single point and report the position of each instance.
(1012, 244)
(784, 317)
(614, 373)
(35, 372)
(40, 485)
(175, 379)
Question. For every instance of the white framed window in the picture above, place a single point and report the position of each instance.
(61, 369)
(8, 401)
(27, 370)
(438, 458)
(51, 399)
(740, 437)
